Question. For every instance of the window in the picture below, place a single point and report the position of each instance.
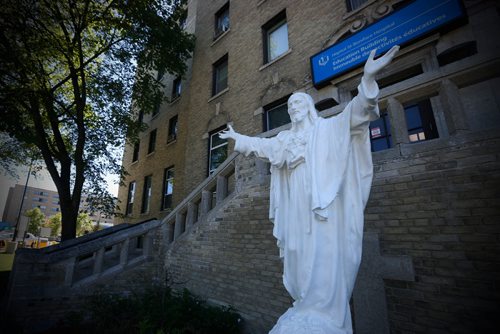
(325, 104)
(380, 133)
(55, 209)
(176, 88)
(420, 121)
(457, 53)
(354, 4)
(217, 150)
(172, 129)
(275, 35)
(146, 194)
(130, 198)
(168, 188)
(152, 141)
(399, 76)
(41, 193)
(135, 154)
(219, 75)
(276, 114)
(222, 20)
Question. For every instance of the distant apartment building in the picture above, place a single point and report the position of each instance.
(46, 200)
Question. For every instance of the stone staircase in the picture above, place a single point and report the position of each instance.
(46, 284)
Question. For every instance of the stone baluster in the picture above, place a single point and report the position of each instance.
(98, 261)
(124, 252)
(455, 116)
(399, 129)
(70, 270)
(179, 224)
(170, 232)
(147, 247)
(221, 190)
(192, 214)
(206, 201)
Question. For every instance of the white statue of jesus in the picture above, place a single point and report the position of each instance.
(321, 174)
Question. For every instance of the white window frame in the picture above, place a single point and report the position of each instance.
(211, 149)
(168, 185)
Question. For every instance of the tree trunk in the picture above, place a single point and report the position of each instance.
(68, 220)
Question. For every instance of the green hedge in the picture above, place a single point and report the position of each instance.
(157, 311)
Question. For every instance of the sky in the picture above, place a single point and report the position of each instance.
(42, 180)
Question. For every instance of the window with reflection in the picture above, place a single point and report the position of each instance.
(275, 34)
(176, 88)
(380, 133)
(172, 129)
(222, 20)
(420, 121)
(168, 188)
(130, 198)
(219, 75)
(276, 114)
(217, 150)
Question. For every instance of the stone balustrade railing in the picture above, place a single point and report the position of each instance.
(208, 195)
(79, 262)
(84, 259)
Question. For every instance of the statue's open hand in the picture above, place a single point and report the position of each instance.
(229, 133)
(372, 67)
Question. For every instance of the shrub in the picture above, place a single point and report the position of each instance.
(158, 311)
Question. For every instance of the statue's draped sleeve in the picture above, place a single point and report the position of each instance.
(273, 150)
(334, 141)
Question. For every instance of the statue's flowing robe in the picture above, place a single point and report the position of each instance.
(320, 184)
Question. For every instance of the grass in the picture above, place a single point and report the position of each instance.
(6, 261)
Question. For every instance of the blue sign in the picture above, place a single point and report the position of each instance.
(413, 21)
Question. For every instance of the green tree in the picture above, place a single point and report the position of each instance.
(83, 224)
(69, 70)
(54, 222)
(36, 219)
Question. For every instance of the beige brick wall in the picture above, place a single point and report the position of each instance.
(250, 87)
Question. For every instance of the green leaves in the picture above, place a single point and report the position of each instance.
(36, 219)
(68, 74)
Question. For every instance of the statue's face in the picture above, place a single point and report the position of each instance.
(297, 108)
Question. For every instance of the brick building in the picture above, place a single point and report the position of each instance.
(46, 200)
(235, 77)
(434, 201)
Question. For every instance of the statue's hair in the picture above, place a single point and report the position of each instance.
(312, 112)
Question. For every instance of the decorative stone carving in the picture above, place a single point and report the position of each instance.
(321, 173)
(381, 11)
(358, 24)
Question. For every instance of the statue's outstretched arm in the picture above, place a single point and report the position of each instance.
(372, 66)
(229, 133)
(364, 107)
